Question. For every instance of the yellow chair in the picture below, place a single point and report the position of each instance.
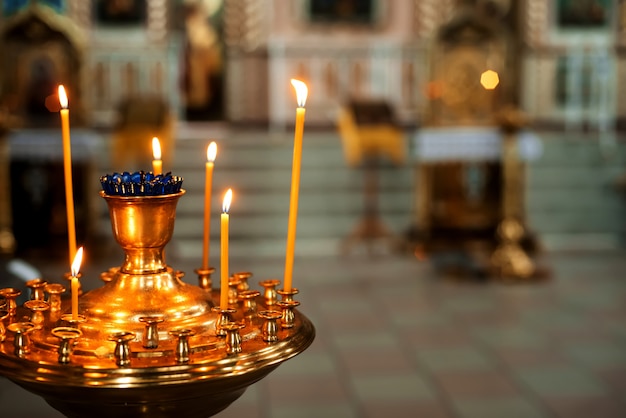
(369, 134)
(139, 120)
(368, 130)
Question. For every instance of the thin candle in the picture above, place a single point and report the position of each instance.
(301, 95)
(224, 247)
(74, 281)
(67, 167)
(157, 163)
(211, 153)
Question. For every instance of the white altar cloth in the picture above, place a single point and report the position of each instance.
(470, 144)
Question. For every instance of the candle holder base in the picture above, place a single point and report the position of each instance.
(183, 369)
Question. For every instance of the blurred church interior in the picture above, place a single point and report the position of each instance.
(460, 242)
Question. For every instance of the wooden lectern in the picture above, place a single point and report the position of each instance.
(369, 134)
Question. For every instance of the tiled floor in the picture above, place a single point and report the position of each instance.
(394, 340)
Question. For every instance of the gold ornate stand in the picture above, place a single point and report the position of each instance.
(510, 261)
(145, 343)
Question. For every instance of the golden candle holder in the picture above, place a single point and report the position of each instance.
(145, 343)
(510, 261)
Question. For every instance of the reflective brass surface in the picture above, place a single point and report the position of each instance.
(509, 260)
(114, 361)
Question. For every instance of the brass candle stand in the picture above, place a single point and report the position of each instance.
(510, 261)
(145, 342)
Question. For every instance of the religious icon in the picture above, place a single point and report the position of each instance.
(342, 11)
(120, 12)
(583, 14)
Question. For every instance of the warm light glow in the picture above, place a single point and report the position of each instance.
(62, 97)
(78, 258)
(211, 152)
(156, 148)
(301, 91)
(434, 90)
(489, 79)
(227, 199)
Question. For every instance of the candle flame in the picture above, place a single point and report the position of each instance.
(78, 258)
(227, 199)
(156, 148)
(62, 96)
(211, 152)
(301, 91)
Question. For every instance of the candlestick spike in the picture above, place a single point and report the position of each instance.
(54, 291)
(204, 277)
(288, 316)
(151, 332)
(21, 340)
(68, 337)
(233, 338)
(182, 344)
(122, 348)
(270, 293)
(11, 294)
(270, 327)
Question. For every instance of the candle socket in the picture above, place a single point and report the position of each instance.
(68, 338)
(269, 330)
(107, 360)
(4, 316)
(269, 292)
(288, 316)
(182, 350)
(37, 308)
(122, 347)
(225, 316)
(54, 291)
(151, 332)
(288, 295)
(107, 276)
(73, 322)
(204, 277)
(243, 280)
(248, 299)
(11, 294)
(37, 287)
(233, 285)
(233, 337)
(21, 341)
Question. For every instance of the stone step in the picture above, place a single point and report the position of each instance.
(271, 178)
(571, 191)
(321, 225)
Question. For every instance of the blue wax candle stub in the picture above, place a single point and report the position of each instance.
(140, 183)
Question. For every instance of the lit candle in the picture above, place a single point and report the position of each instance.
(301, 94)
(74, 281)
(157, 163)
(224, 254)
(211, 153)
(67, 167)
